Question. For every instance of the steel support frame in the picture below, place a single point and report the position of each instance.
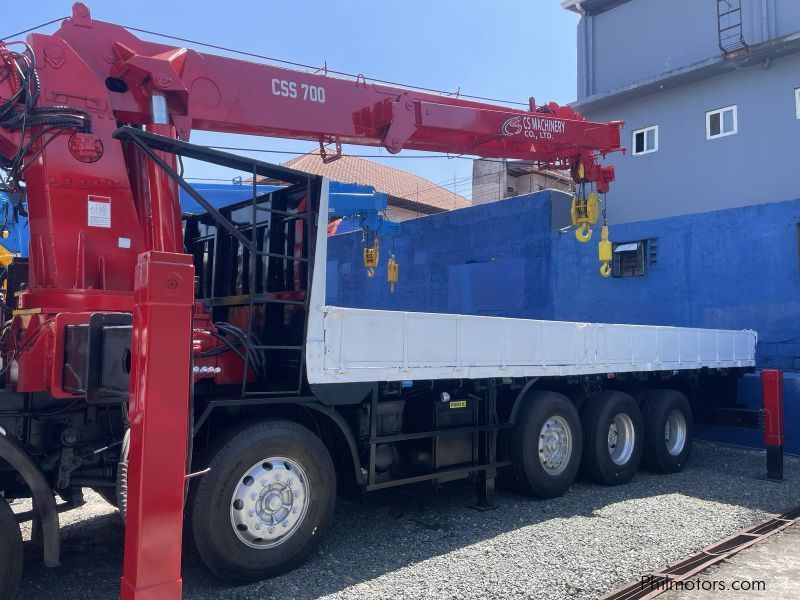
(484, 437)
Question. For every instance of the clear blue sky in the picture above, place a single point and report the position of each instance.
(508, 49)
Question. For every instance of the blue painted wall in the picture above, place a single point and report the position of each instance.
(730, 269)
(736, 268)
(491, 259)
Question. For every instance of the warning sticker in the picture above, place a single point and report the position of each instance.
(99, 211)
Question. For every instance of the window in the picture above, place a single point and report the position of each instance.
(797, 102)
(645, 140)
(722, 122)
(630, 259)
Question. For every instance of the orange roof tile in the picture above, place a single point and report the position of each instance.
(414, 189)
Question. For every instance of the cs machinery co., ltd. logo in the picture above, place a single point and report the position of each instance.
(534, 128)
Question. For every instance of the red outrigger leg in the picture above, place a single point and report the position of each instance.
(772, 388)
(159, 400)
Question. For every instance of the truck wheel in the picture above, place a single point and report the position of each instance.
(10, 552)
(264, 505)
(612, 438)
(546, 445)
(668, 431)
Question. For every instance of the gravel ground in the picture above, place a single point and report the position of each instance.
(420, 543)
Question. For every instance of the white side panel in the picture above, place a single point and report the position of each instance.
(354, 345)
(375, 345)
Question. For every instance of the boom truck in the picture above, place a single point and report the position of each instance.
(188, 368)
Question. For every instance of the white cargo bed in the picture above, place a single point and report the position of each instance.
(360, 345)
(377, 345)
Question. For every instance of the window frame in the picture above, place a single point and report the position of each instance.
(797, 103)
(622, 253)
(644, 130)
(720, 112)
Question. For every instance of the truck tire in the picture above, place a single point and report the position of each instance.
(10, 552)
(613, 438)
(668, 429)
(265, 504)
(546, 445)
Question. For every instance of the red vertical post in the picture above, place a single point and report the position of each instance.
(160, 379)
(160, 388)
(166, 233)
(772, 390)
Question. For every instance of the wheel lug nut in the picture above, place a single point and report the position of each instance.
(264, 483)
(286, 523)
(258, 525)
(254, 496)
(252, 513)
(271, 530)
(289, 481)
(294, 510)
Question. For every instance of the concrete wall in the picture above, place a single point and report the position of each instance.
(489, 180)
(529, 183)
(690, 174)
(493, 179)
(397, 214)
(491, 259)
(643, 40)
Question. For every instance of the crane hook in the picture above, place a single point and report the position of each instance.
(583, 233)
(605, 251)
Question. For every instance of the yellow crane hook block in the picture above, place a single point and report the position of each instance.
(392, 272)
(605, 252)
(371, 258)
(585, 210)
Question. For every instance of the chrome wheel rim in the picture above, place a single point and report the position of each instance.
(555, 445)
(675, 432)
(270, 502)
(621, 439)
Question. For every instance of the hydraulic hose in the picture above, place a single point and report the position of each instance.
(122, 474)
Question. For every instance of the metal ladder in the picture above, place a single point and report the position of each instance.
(729, 26)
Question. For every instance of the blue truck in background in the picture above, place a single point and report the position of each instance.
(353, 206)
